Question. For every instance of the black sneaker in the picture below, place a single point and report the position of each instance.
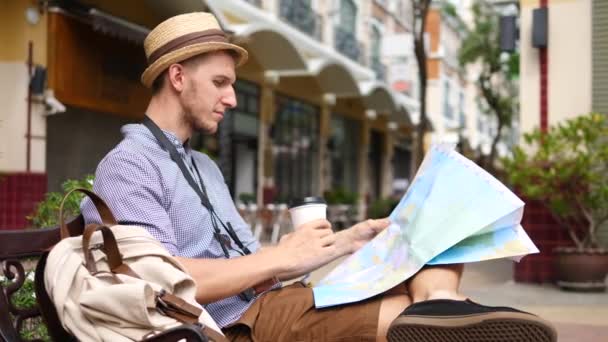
(444, 320)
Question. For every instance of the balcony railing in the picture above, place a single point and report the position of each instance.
(379, 68)
(300, 15)
(346, 43)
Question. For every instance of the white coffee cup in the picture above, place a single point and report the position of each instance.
(307, 209)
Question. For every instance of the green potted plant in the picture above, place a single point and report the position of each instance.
(341, 206)
(382, 207)
(247, 198)
(47, 211)
(46, 215)
(566, 168)
(340, 196)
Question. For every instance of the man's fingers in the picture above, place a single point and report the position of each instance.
(376, 225)
(383, 223)
(317, 224)
(324, 232)
(328, 240)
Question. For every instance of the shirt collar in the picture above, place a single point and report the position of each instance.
(140, 131)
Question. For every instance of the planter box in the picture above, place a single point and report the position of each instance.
(546, 234)
(19, 195)
(582, 270)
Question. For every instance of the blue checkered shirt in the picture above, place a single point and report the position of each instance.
(144, 187)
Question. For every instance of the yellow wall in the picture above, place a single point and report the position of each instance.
(14, 37)
(529, 73)
(13, 122)
(16, 32)
(569, 57)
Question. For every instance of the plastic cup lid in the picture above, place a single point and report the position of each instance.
(297, 202)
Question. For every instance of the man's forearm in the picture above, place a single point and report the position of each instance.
(222, 278)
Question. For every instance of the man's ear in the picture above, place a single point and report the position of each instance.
(175, 74)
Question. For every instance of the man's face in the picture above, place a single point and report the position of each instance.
(208, 90)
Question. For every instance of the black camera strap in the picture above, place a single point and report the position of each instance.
(200, 191)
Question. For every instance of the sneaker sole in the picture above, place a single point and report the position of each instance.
(487, 327)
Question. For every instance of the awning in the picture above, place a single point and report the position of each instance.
(284, 50)
(273, 50)
(378, 97)
(308, 46)
(333, 78)
(106, 23)
(117, 27)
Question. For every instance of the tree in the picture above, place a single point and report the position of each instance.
(498, 71)
(420, 9)
(566, 168)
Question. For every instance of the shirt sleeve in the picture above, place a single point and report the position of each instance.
(133, 190)
(241, 228)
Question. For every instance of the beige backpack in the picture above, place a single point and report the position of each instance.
(118, 283)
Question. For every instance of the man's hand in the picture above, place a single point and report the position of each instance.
(312, 245)
(361, 233)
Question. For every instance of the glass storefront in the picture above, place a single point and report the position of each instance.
(375, 164)
(343, 149)
(295, 148)
(238, 140)
(402, 163)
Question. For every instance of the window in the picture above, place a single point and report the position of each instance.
(343, 146)
(348, 16)
(447, 109)
(238, 129)
(296, 148)
(463, 122)
(376, 44)
(244, 117)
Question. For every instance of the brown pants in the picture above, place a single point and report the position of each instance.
(289, 314)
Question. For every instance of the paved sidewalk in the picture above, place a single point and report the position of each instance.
(578, 317)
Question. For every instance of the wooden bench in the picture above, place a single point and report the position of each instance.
(17, 245)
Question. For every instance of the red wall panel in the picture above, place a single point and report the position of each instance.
(19, 195)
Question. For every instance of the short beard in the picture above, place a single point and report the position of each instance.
(188, 117)
(190, 120)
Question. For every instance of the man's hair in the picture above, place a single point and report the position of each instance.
(159, 81)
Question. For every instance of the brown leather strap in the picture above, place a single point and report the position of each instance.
(170, 304)
(177, 308)
(107, 218)
(110, 248)
(181, 305)
(184, 312)
(211, 35)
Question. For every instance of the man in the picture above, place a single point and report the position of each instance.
(153, 179)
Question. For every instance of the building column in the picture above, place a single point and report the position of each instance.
(327, 103)
(364, 166)
(265, 172)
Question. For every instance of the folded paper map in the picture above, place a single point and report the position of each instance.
(454, 212)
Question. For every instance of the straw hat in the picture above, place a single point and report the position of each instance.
(181, 37)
